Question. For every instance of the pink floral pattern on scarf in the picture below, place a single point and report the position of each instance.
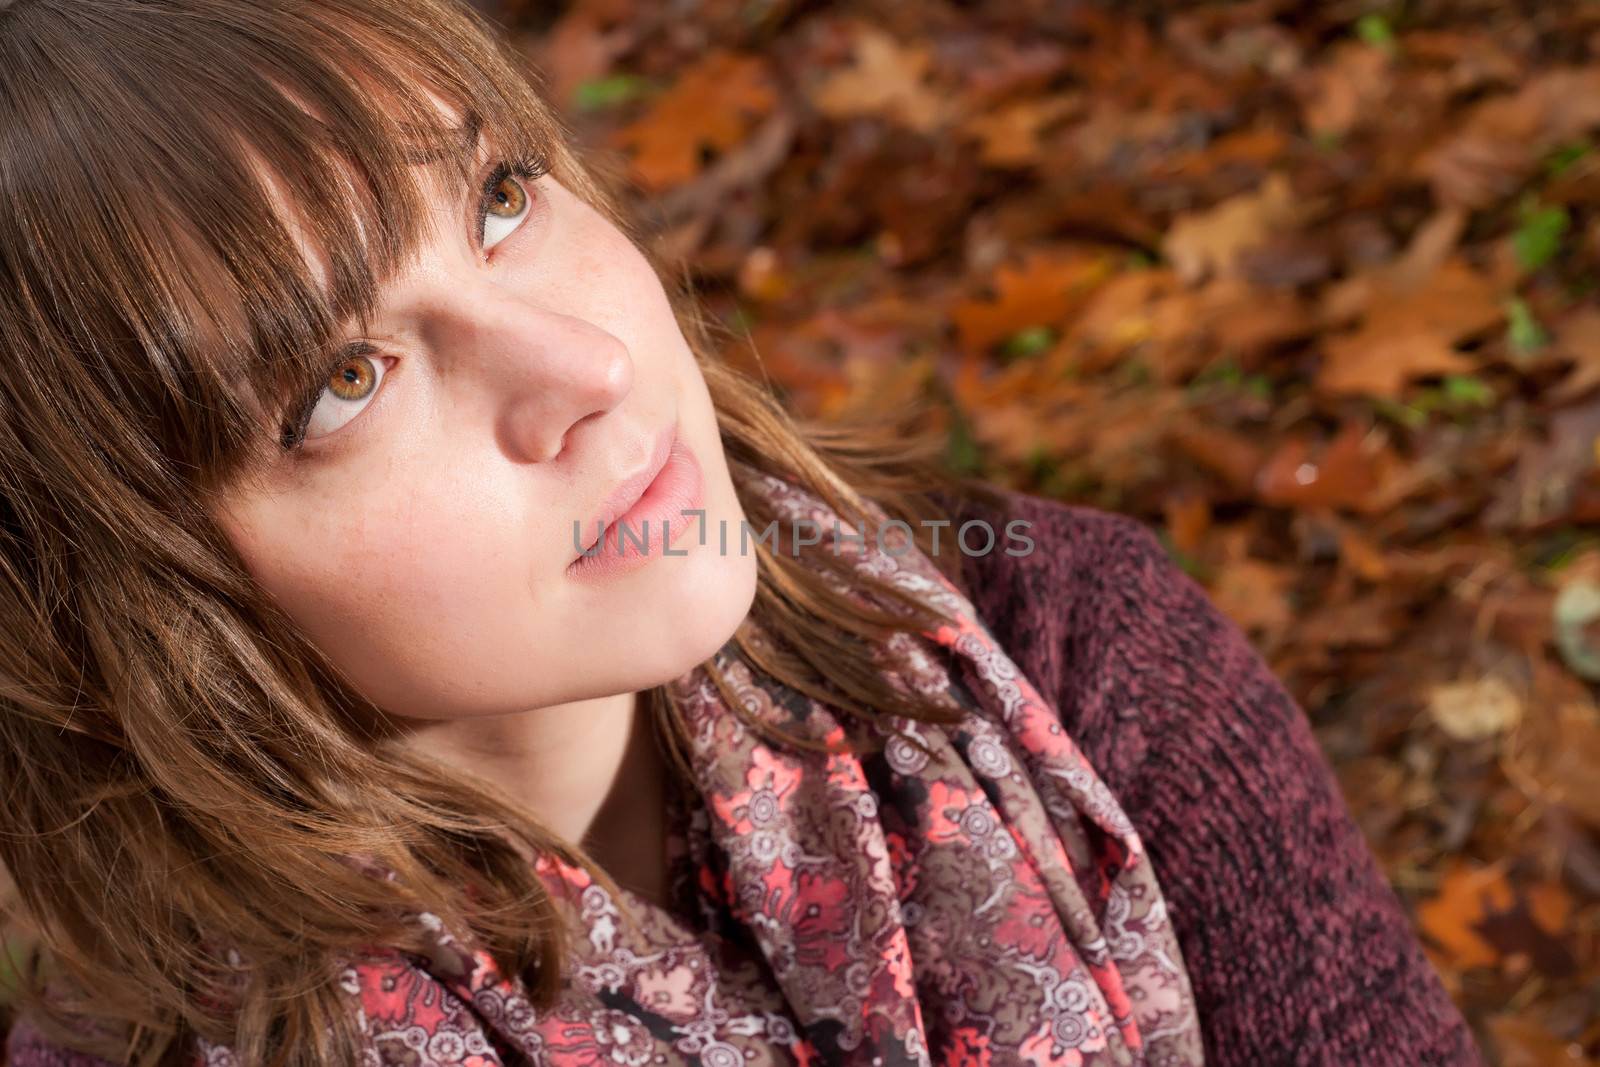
(985, 901)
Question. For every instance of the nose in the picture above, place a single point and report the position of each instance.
(539, 370)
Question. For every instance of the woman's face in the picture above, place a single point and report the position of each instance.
(423, 534)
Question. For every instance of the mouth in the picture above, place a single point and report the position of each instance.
(620, 500)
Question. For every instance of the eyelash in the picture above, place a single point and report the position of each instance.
(529, 168)
(292, 434)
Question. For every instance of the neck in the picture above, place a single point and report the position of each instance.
(590, 771)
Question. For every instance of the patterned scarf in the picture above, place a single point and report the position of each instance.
(987, 903)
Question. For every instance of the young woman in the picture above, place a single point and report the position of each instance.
(418, 649)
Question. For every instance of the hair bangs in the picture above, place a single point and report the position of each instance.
(235, 192)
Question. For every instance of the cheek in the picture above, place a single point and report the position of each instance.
(357, 567)
(394, 586)
(606, 280)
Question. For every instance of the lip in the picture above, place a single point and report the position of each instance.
(657, 511)
(626, 495)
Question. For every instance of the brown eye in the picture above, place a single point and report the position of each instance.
(352, 379)
(507, 199)
(505, 206)
(346, 392)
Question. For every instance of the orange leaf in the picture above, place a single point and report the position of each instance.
(1451, 917)
(1577, 340)
(1232, 456)
(1481, 919)
(1361, 555)
(1208, 242)
(1043, 290)
(1348, 474)
(1410, 333)
(713, 106)
(1381, 364)
(1251, 592)
(887, 80)
(1351, 86)
(1009, 137)
(1188, 519)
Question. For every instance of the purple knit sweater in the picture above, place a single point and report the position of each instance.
(1298, 950)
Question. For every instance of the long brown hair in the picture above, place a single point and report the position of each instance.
(185, 776)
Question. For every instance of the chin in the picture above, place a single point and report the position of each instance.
(708, 602)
